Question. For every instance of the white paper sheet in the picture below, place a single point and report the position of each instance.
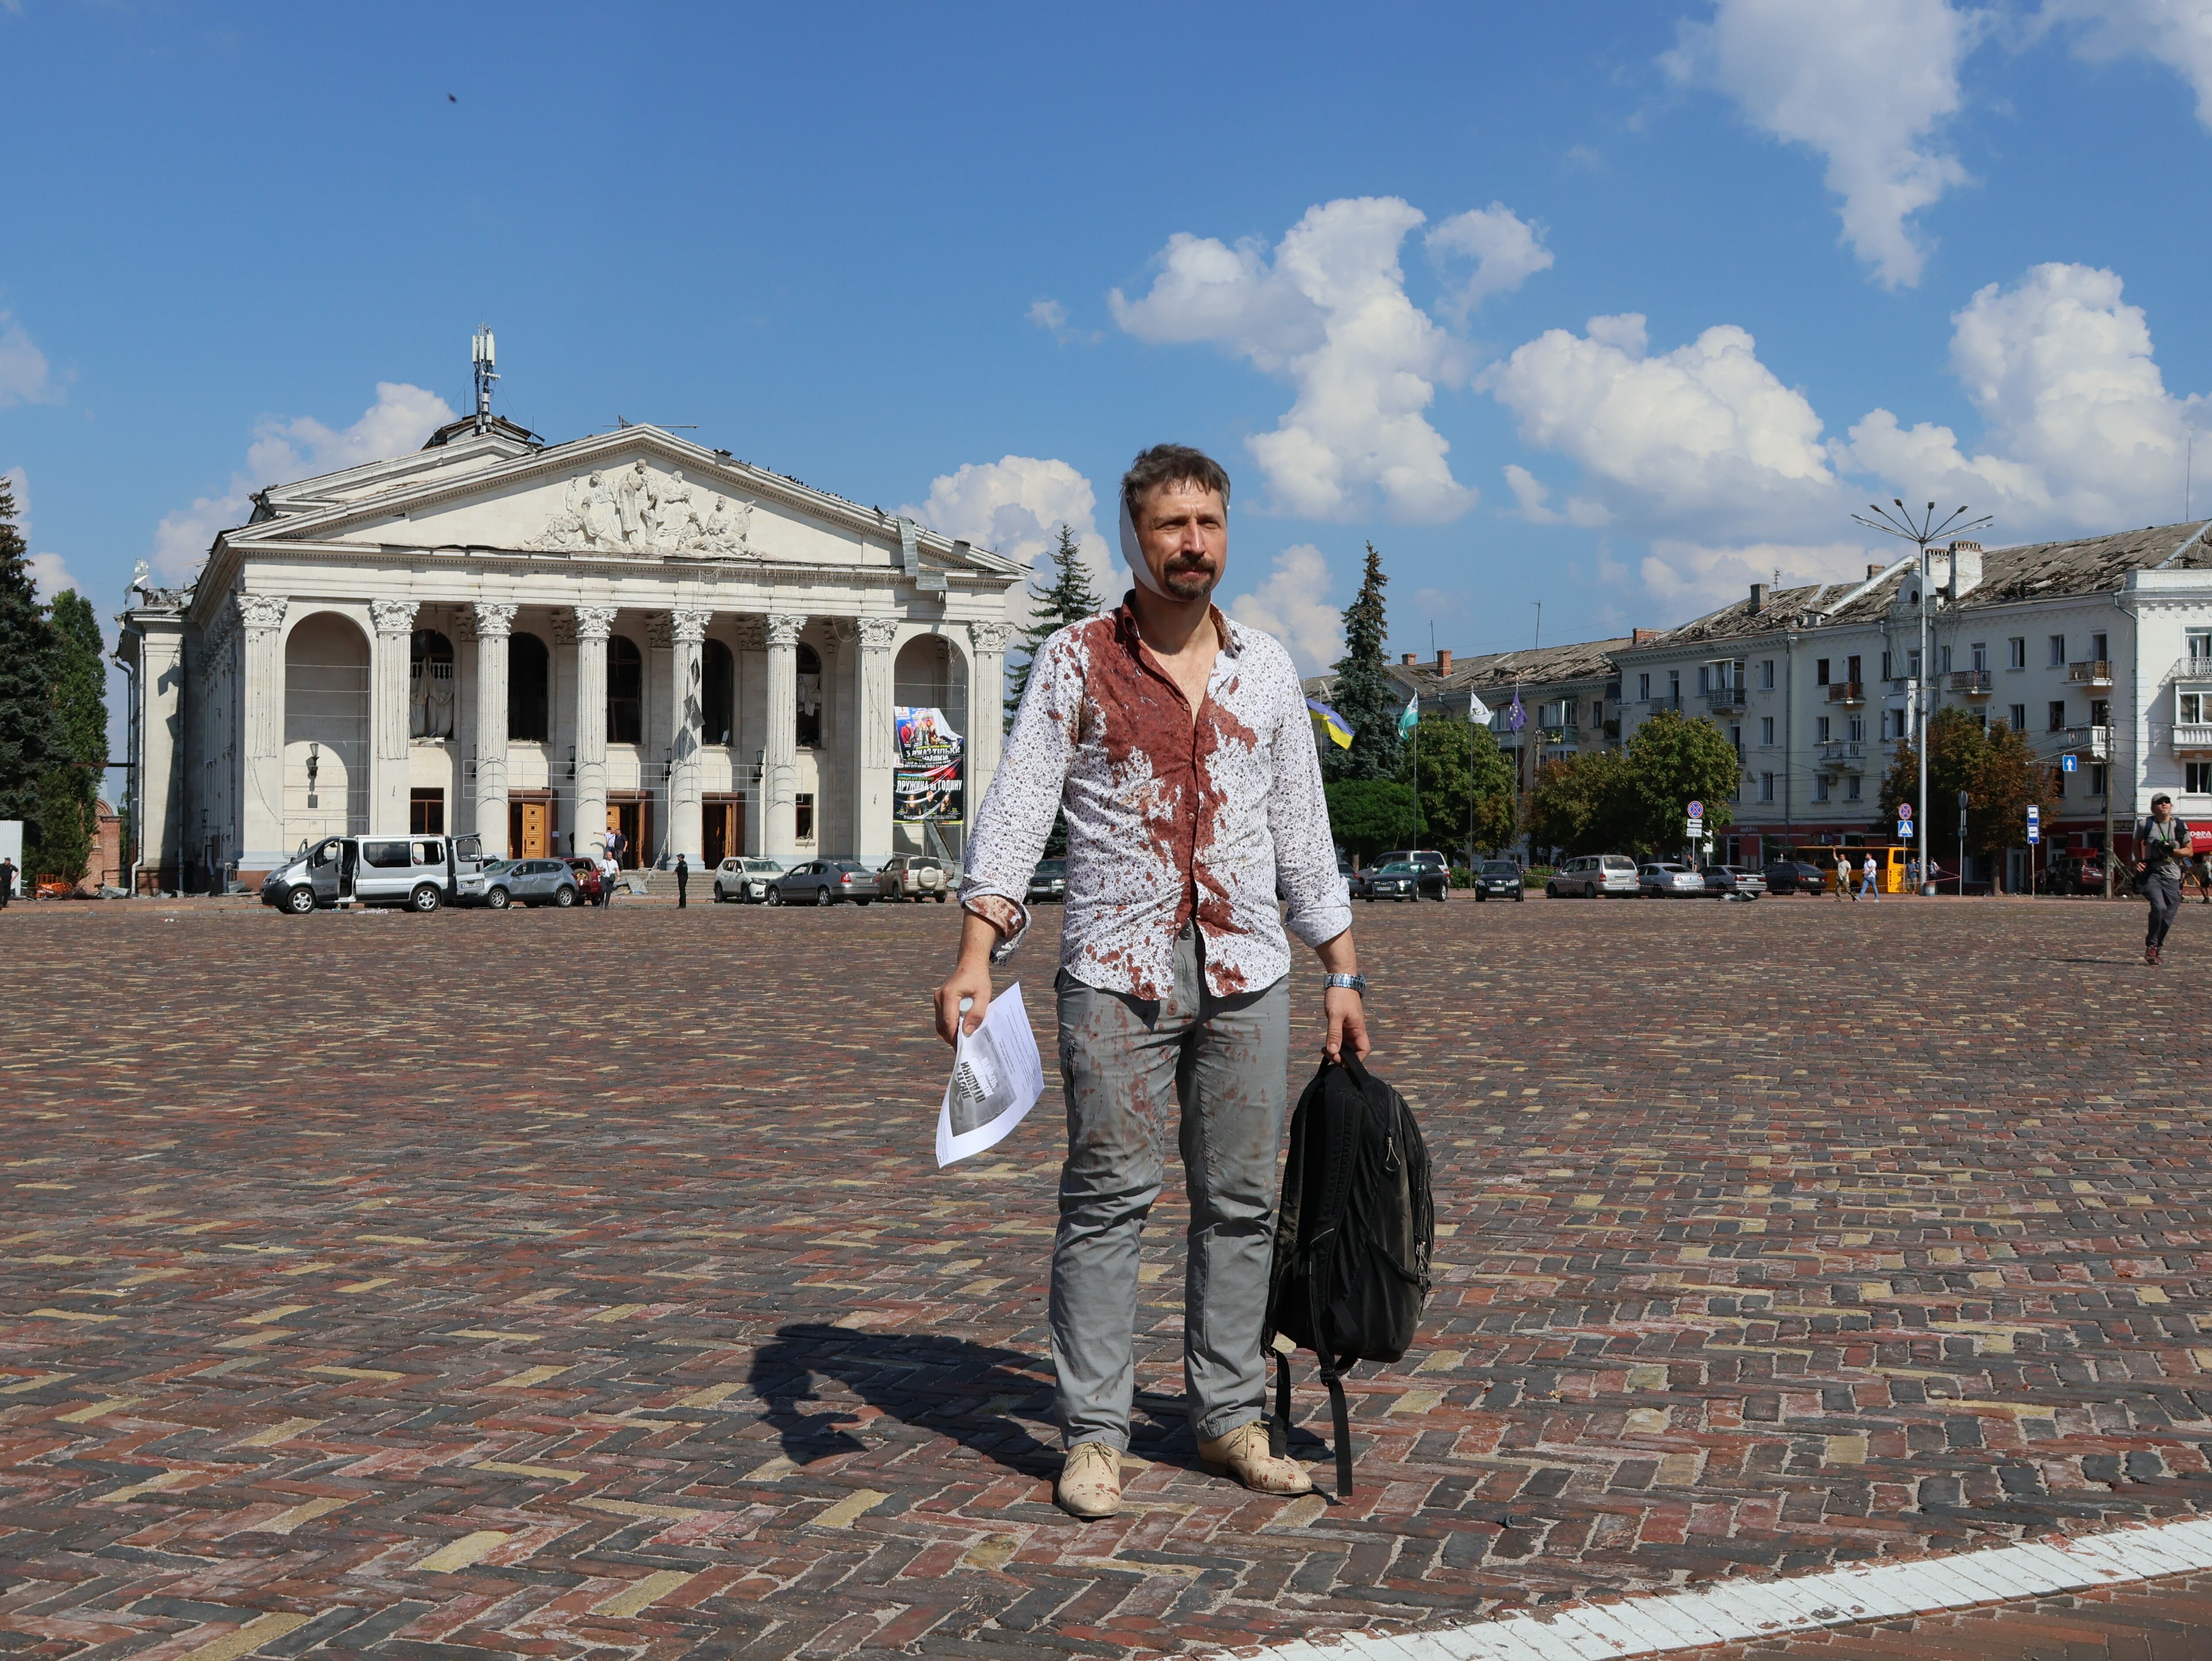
(997, 1077)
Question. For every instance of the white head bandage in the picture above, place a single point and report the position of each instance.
(1133, 551)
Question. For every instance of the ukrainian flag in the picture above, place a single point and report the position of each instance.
(1340, 733)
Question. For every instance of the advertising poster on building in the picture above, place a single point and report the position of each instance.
(925, 781)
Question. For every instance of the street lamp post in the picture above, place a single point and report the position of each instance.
(1920, 530)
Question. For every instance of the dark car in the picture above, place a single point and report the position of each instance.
(824, 882)
(2072, 873)
(1432, 869)
(1498, 880)
(1733, 882)
(1794, 876)
(1049, 881)
(1400, 879)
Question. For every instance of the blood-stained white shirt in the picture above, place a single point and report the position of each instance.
(1211, 821)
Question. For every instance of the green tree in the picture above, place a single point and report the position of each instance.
(1578, 804)
(1956, 747)
(1365, 696)
(32, 742)
(1367, 815)
(71, 790)
(1672, 760)
(1069, 598)
(1996, 766)
(1461, 769)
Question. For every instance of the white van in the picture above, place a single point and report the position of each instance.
(420, 872)
(1594, 876)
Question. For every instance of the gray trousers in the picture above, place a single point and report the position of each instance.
(2163, 890)
(1225, 1062)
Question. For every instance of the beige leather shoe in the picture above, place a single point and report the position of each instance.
(1243, 1454)
(1089, 1483)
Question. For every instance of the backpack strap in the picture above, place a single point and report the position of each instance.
(1344, 1142)
(1279, 1428)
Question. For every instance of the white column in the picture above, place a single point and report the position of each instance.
(266, 846)
(593, 625)
(779, 773)
(686, 834)
(387, 715)
(873, 751)
(494, 628)
(752, 634)
(987, 708)
(159, 688)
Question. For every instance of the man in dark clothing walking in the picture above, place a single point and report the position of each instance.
(7, 882)
(2162, 843)
(682, 882)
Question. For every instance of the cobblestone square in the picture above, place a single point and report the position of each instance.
(555, 1284)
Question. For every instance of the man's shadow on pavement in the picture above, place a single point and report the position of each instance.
(946, 1386)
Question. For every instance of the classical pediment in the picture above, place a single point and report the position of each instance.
(635, 494)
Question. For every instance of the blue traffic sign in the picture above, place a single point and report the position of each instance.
(2070, 763)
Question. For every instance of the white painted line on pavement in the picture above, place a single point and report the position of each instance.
(1661, 1623)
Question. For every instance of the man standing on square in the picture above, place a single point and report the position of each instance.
(1179, 747)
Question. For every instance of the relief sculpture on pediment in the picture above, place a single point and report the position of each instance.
(638, 510)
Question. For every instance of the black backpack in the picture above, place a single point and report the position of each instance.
(1354, 1234)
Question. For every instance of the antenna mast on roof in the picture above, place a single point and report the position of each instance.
(480, 355)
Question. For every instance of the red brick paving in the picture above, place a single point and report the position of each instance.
(554, 1284)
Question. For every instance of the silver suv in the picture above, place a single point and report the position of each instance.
(745, 880)
(914, 877)
(1594, 876)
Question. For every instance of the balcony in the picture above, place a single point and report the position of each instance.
(1847, 691)
(1727, 697)
(2192, 738)
(2093, 741)
(1968, 683)
(1655, 705)
(1844, 756)
(2097, 673)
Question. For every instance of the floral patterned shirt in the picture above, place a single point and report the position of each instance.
(1169, 820)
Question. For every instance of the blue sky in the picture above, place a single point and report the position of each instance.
(1614, 307)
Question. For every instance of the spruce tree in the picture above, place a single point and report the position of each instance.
(1069, 598)
(1368, 699)
(31, 740)
(71, 790)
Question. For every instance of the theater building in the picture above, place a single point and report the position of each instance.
(539, 641)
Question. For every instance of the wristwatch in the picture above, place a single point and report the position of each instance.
(1351, 982)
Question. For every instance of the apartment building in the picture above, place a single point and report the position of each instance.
(2097, 650)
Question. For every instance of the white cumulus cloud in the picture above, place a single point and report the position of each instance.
(2175, 32)
(25, 376)
(1015, 507)
(285, 451)
(1327, 310)
(1535, 495)
(50, 573)
(2079, 431)
(1688, 577)
(1293, 606)
(1704, 432)
(1868, 84)
(1507, 250)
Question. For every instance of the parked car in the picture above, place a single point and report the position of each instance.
(1400, 879)
(1049, 881)
(1499, 879)
(1344, 876)
(1594, 876)
(2072, 873)
(591, 881)
(1667, 881)
(420, 872)
(913, 877)
(1794, 876)
(528, 882)
(823, 882)
(744, 881)
(1431, 868)
(1734, 882)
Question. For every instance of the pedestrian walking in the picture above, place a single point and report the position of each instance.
(1870, 881)
(1178, 746)
(1841, 872)
(2201, 869)
(2162, 843)
(682, 882)
(7, 881)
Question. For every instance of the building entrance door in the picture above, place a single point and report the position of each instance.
(529, 831)
(724, 826)
(629, 817)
